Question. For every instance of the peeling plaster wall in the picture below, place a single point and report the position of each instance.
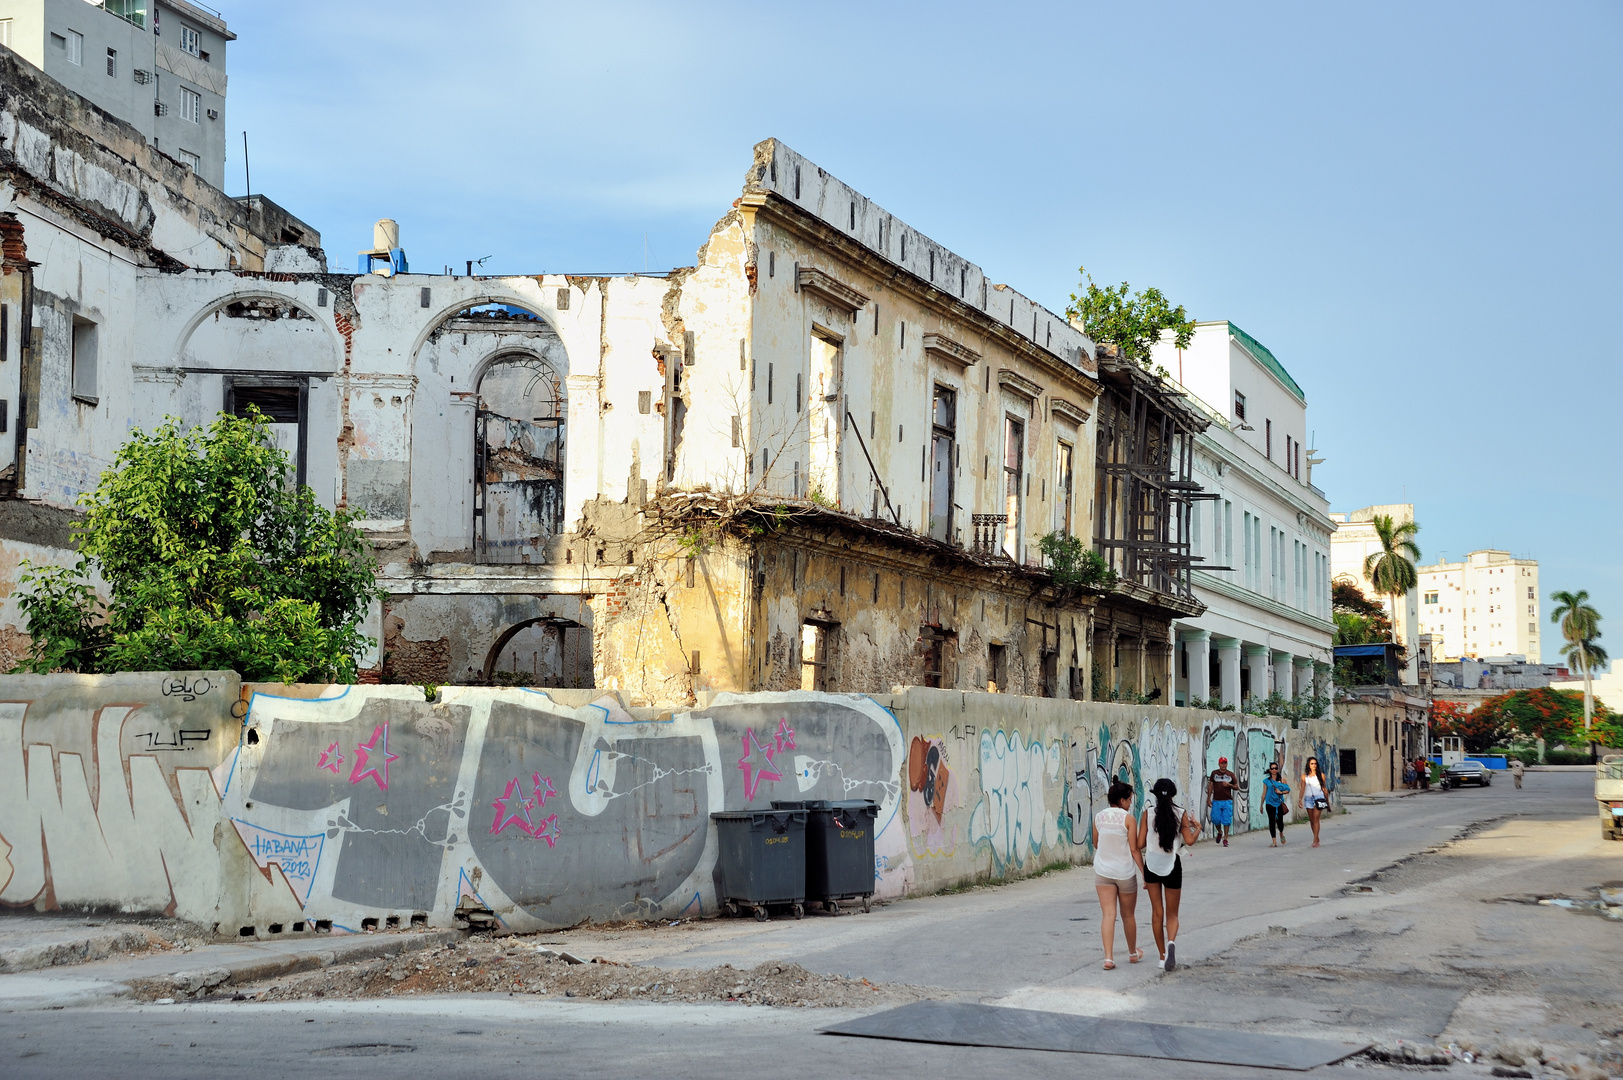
(268, 810)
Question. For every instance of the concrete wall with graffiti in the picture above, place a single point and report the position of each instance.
(264, 810)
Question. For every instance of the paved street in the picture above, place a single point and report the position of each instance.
(1405, 924)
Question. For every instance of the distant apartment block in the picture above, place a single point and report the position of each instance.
(158, 65)
(1486, 606)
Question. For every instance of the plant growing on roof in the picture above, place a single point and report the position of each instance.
(1391, 570)
(1132, 323)
(1074, 564)
(212, 559)
(1580, 626)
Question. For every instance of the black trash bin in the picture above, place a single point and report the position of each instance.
(839, 849)
(762, 859)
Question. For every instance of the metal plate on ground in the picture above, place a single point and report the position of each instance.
(963, 1024)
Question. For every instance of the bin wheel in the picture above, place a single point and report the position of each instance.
(833, 906)
(760, 913)
(800, 911)
(867, 905)
(732, 908)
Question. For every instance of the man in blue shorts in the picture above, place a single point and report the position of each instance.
(1220, 800)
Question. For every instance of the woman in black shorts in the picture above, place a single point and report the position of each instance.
(1164, 826)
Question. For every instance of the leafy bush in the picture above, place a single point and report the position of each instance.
(213, 561)
(1133, 324)
(1566, 757)
(1074, 564)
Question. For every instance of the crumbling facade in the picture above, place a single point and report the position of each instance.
(822, 457)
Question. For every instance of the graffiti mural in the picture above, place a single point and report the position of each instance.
(934, 791)
(1012, 818)
(262, 809)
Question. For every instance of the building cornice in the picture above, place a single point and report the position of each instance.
(1205, 580)
(1321, 517)
(795, 219)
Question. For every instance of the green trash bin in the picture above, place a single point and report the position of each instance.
(839, 849)
(762, 858)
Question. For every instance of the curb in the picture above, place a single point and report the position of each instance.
(198, 982)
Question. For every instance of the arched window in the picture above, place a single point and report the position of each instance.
(519, 460)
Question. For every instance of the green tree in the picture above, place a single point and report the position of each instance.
(1132, 323)
(1580, 627)
(1391, 570)
(212, 559)
(1359, 620)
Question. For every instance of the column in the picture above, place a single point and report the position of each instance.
(1282, 674)
(1304, 675)
(1256, 662)
(1228, 667)
(1197, 646)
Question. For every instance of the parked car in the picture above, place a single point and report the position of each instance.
(1467, 772)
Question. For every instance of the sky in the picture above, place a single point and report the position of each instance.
(1414, 206)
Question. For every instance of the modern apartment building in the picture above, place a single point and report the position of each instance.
(1355, 540)
(158, 65)
(1487, 605)
(1260, 533)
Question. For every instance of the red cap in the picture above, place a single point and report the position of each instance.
(1222, 761)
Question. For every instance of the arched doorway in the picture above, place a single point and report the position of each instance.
(549, 651)
(519, 460)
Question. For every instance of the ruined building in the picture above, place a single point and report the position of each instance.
(822, 457)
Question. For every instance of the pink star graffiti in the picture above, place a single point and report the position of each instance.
(547, 829)
(753, 773)
(330, 759)
(513, 809)
(378, 744)
(784, 738)
(542, 786)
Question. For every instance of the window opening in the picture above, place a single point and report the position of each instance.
(823, 421)
(944, 431)
(519, 455)
(1014, 438)
(85, 342)
(1064, 478)
(285, 403)
(814, 657)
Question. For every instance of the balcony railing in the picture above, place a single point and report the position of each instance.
(988, 530)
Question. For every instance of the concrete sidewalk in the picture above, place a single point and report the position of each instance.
(188, 972)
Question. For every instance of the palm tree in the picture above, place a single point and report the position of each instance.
(1580, 626)
(1391, 570)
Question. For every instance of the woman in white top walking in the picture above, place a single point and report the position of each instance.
(1116, 863)
(1167, 824)
(1314, 799)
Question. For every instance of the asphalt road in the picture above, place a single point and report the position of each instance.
(1406, 923)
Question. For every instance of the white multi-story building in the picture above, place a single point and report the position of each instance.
(1261, 534)
(1487, 605)
(157, 65)
(1355, 540)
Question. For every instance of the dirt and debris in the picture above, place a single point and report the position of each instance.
(512, 966)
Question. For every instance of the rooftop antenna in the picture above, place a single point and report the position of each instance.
(247, 180)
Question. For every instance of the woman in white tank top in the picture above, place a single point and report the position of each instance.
(1117, 859)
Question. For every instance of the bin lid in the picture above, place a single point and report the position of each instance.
(800, 804)
(782, 813)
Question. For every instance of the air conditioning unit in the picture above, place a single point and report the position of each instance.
(214, 114)
(142, 76)
(160, 109)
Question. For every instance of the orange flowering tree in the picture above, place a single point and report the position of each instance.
(1478, 730)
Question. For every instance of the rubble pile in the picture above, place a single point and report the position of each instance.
(494, 966)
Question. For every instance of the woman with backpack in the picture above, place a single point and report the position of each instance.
(1164, 826)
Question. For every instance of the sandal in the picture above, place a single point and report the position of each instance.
(1135, 956)
(1110, 965)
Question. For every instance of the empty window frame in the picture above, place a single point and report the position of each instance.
(997, 668)
(814, 668)
(191, 106)
(1064, 481)
(944, 428)
(1014, 444)
(85, 343)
